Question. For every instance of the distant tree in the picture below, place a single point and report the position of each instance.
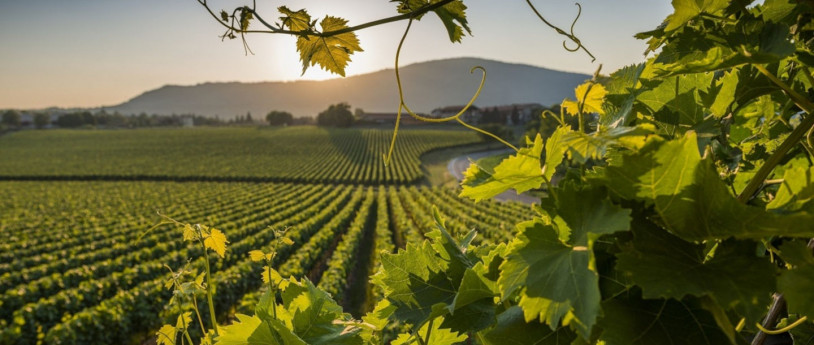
(249, 117)
(358, 113)
(337, 115)
(72, 120)
(41, 120)
(501, 131)
(492, 115)
(280, 118)
(11, 118)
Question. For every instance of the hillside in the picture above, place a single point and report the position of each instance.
(428, 85)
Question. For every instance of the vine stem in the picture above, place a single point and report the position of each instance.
(778, 306)
(779, 303)
(209, 288)
(275, 30)
(792, 140)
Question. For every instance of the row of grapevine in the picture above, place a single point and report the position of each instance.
(300, 154)
(108, 287)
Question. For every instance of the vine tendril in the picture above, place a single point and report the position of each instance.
(457, 117)
(570, 36)
(784, 329)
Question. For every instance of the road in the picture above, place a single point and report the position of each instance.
(458, 165)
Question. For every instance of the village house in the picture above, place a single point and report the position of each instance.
(471, 116)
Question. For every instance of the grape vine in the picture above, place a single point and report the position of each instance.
(686, 202)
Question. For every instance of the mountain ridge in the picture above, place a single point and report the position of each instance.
(427, 85)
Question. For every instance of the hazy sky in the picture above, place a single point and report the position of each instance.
(89, 53)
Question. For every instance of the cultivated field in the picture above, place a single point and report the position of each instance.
(76, 267)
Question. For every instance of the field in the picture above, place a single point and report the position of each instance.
(297, 154)
(75, 269)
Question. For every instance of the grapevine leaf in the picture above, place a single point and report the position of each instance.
(512, 329)
(735, 277)
(561, 273)
(686, 10)
(587, 213)
(521, 172)
(276, 278)
(166, 335)
(622, 92)
(257, 255)
(414, 281)
(582, 147)
(560, 255)
(224, 16)
(452, 15)
(629, 320)
(184, 321)
(555, 151)
(216, 241)
(796, 192)
(295, 21)
(590, 96)
(189, 233)
(691, 200)
(726, 94)
(438, 335)
(332, 53)
(474, 287)
(314, 313)
(676, 100)
(797, 283)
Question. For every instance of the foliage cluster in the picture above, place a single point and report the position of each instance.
(74, 271)
(279, 118)
(337, 115)
(686, 202)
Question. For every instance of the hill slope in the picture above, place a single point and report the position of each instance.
(428, 85)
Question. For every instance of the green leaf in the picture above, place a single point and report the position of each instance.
(623, 89)
(582, 147)
(560, 255)
(332, 53)
(512, 329)
(689, 197)
(796, 192)
(797, 283)
(725, 96)
(166, 335)
(555, 151)
(414, 281)
(686, 10)
(184, 321)
(629, 320)
(677, 100)
(257, 255)
(216, 241)
(735, 277)
(315, 317)
(452, 15)
(438, 335)
(521, 172)
(590, 96)
(190, 234)
(295, 21)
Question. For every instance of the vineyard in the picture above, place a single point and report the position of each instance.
(74, 268)
(297, 154)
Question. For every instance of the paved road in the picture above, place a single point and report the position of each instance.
(458, 165)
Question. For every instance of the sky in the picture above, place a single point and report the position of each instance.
(91, 53)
